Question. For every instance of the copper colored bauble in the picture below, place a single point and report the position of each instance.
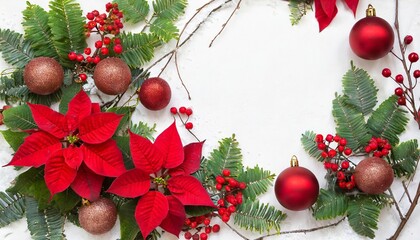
(373, 175)
(371, 37)
(43, 75)
(155, 93)
(112, 76)
(296, 187)
(98, 217)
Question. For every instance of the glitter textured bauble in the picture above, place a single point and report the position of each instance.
(155, 93)
(43, 75)
(296, 188)
(98, 217)
(372, 37)
(373, 175)
(112, 76)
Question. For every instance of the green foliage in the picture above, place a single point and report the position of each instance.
(127, 112)
(143, 130)
(310, 146)
(67, 27)
(134, 10)
(360, 90)
(123, 143)
(254, 216)
(404, 158)
(19, 118)
(16, 51)
(47, 224)
(37, 31)
(388, 121)
(12, 208)
(257, 181)
(13, 138)
(298, 9)
(164, 28)
(68, 94)
(128, 225)
(350, 123)
(330, 205)
(228, 155)
(363, 215)
(138, 48)
(169, 9)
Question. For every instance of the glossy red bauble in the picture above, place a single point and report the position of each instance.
(155, 93)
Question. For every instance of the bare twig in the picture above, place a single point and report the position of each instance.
(406, 192)
(397, 206)
(227, 21)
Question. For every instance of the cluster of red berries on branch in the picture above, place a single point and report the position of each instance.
(183, 111)
(379, 147)
(200, 223)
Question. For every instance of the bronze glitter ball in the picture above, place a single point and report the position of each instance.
(373, 175)
(155, 93)
(43, 75)
(98, 217)
(112, 76)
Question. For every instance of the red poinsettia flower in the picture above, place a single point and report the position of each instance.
(162, 178)
(76, 148)
(325, 11)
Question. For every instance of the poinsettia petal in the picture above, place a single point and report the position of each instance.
(352, 4)
(87, 184)
(189, 191)
(57, 174)
(79, 108)
(49, 120)
(328, 7)
(145, 156)
(323, 19)
(96, 108)
(150, 211)
(131, 184)
(104, 159)
(170, 145)
(174, 222)
(192, 159)
(99, 127)
(73, 156)
(35, 150)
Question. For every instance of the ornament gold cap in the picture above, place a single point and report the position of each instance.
(370, 11)
(294, 161)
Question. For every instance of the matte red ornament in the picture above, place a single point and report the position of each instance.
(155, 93)
(296, 187)
(372, 37)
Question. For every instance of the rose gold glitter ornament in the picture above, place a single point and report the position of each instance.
(43, 75)
(98, 217)
(112, 76)
(373, 175)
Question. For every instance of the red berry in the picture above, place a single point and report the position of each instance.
(334, 167)
(327, 165)
(189, 125)
(332, 153)
(399, 78)
(118, 49)
(319, 138)
(196, 236)
(242, 185)
(347, 151)
(401, 101)
(386, 72)
(408, 39)
(233, 183)
(173, 110)
(232, 208)
(80, 58)
(216, 228)
(221, 211)
(207, 229)
(399, 91)
(226, 172)
(219, 186)
(340, 175)
(340, 148)
(117, 41)
(220, 179)
(239, 199)
(368, 149)
(188, 111)
(107, 40)
(350, 185)
(221, 202)
(187, 235)
(96, 60)
(329, 138)
(206, 221)
(83, 77)
(413, 57)
(182, 110)
(95, 13)
(377, 154)
(337, 138)
(90, 16)
(324, 154)
(72, 56)
(228, 189)
(98, 44)
(342, 184)
(343, 142)
(321, 146)
(87, 51)
(416, 73)
(89, 59)
(193, 224)
(225, 218)
(385, 152)
(104, 51)
(345, 164)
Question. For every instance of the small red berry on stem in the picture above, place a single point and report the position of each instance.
(189, 125)
(401, 101)
(174, 110)
(216, 228)
(87, 51)
(347, 151)
(118, 49)
(408, 39)
(413, 57)
(345, 164)
(226, 172)
(399, 78)
(416, 73)
(399, 91)
(386, 72)
(187, 235)
(83, 77)
(98, 44)
(182, 110)
(107, 40)
(188, 111)
(72, 56)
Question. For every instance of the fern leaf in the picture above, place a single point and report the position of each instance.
(227, 156)
(37, 31)
(16, 51)
(143, 130)
(310, 146)
(170, 9)
(164, 28)
(134, 10)
(67, 27)
(350, 123)
(388, 121)
(360, 90)
(298, 9)
(363, 215)
(256, 216)
(19, 118)
(257, 181)
(138, 48)
(330, 205)
(404, 158)
(12, 208)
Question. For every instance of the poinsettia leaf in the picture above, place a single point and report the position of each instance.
(104, 159)
(189, 191)
(128, 226)
(151, 210)
(58, 175)
(192, 160)
(352, 4)
(49, 120)
(79, 108)
(145, 156)
(14, 139)
(328, 6)
(35, 150)
(123, 143)
(131, 184)
(174, 222)
(19, 117)
(99, 127)
(87, 184)
(170, 145)
(73, 156)
(322, 17)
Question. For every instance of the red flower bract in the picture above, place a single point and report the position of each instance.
(76, 148)
(325, 11)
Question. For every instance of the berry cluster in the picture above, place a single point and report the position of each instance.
(184, 111)
(379, 147)
(1, 113)
(199, 223)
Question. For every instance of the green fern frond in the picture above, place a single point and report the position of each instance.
(15, 50)
(298, 9)
(257, 181)
(67, 27)
(12, 208)
(360, 90)
(388, 121)
(310, 146)
(405, 157)
(350, 123)
(143, 129)
(134, 10)
(330, 205)
(363, 216)
(256, 216)
(138, 48)
(165, 29)
(170, 9)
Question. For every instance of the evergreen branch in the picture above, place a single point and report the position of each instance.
(298, 9)
(330, 205)
(257, 181)
(164, 28)
(15, 50)
(363, 216)
(12, 208)
(170, 9)
(139, 48)
(226, 23)
(134, 10)
(404, 158)
(310, 146)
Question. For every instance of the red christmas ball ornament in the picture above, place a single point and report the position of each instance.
(372, 37)
(373, 175)
(296, 188)
(155, 93)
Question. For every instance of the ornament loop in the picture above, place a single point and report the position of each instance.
(294, 161)
(370, 11)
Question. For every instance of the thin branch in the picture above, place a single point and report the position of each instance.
(406, 192)
(236, 231)
(227, 21)
(397, 206)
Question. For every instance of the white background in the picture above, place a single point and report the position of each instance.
(265, 81)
